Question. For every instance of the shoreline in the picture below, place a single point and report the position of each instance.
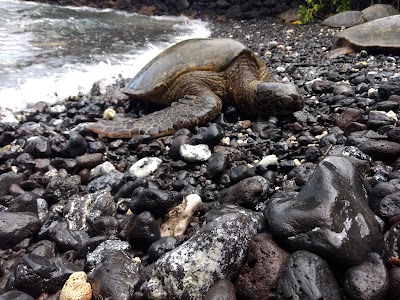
(49, 169)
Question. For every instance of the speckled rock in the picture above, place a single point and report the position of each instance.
(116, 278)
(195, 153)
(78, 208)
(97, 255)
(214, 252)
(60, 188)
(307, 276)
(145, 166)
(368, 281)
(330, 216)
(16, 226)
(264, 265)
(76, 288)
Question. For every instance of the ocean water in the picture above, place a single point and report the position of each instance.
(48, 53)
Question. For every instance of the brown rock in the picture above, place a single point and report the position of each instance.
(259, 275)
(348, 115)
(89, 160)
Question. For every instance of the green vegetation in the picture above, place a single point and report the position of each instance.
(314, 7)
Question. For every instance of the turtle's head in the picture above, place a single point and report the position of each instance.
(277, 98)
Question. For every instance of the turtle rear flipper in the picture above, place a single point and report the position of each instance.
(185, 113)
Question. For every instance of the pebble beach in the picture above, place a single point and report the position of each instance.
(305, 206)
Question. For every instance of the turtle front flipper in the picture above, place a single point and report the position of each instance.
(185, 113)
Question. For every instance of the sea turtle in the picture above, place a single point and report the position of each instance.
(380, 35)
(354, 17)
(193, 78)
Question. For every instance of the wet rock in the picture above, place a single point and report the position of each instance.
(241, 172)
(392, 243)
(7, 179)
(162, 246)
(322, 86)
(109, 182)
(16, 226)
(195, 153)
(90, 160)
(60, 188)
(75, 146)
(15, 295)
(330, 216)
(343, 89)
(116, 278)
(394, 276)
(78, 208)
(247, 193)
(144, 167)
(307, 276)
(377, 119)
(143, 232)
(216, 166)
(368, 281)
(381, 150)
(176, 144)
(67, 239)
(389, 206)
(213, 134)
(157, 202)
(218, 249)
(26, 202)
(222, 290)
(262, 269)
(37, 274)
(44, 248)
(76, 288)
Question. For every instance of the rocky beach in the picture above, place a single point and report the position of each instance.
(305, 206)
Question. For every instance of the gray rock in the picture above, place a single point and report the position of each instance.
(15, 295)
(38, 274)
(222, 290)
(116, 278)
(214, 252)
(7, 179)
(368, 281)
(307, 276)
(110, 182)
(60, 188)
(216, 165)
(16, 226)
(330, 215)
(381, 150)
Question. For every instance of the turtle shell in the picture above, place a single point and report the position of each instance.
(383, 33)
(378, 11)
(190, 55)
(345, 19)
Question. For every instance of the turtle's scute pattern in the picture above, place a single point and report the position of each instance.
(193, 79)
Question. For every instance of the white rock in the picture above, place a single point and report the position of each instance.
(103, 169)
(195, 153)
(280, 69)
(57, 109)
(179, 218)
(145, 166)
(7, 116)
(268, 160)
